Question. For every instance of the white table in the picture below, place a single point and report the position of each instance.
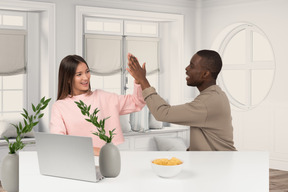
(203, 171)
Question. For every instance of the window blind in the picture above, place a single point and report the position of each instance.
(146, 50)
(12, 52)
(103, 54)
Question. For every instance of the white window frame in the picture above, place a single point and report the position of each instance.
(13, 13)
(17, 29)
(102, 23)
(248, 66)
(141, 28)
(47, 72)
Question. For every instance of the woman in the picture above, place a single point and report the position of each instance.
(74, 85)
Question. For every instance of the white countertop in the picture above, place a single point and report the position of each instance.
(202, 171)
(160, 130)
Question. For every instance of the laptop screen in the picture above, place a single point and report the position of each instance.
(66, 156)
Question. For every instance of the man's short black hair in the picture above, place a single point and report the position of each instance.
(213, 61)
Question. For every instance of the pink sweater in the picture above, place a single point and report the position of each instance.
(66, 117)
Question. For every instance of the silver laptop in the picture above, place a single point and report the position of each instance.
(67, 156)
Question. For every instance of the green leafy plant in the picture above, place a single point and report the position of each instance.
(93, 118)
(29, 121)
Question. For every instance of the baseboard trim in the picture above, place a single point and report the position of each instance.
(278, 164)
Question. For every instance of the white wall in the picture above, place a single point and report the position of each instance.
(266, 126)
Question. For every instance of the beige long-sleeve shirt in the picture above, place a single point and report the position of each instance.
(209, 118)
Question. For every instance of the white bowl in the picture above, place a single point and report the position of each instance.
(167, 171)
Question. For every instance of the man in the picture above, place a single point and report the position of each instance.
(209, 115)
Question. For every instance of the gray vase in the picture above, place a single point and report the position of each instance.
(10, 173)
(109, 160)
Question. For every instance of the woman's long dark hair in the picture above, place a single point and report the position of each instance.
(67, 70)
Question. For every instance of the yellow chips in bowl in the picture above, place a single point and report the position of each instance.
(165, 161)
(166, 167)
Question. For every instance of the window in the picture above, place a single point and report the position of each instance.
(248, 65)
(13, 63)
(146, 50)
(13, 20)
(40, 72)
(107, 43)
(20, 65)
(104, 56)
(12, 94)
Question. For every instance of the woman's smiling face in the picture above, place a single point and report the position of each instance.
(81, 80)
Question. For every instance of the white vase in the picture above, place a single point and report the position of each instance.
(10, 173)
(109, 160)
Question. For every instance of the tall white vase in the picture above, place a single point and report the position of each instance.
(10, 173)
(109, 160)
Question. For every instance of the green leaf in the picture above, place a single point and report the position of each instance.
(89, 120)
(18, 132)
(47, 101)
(33, 107)
(34, 124)
(42, 100)
(38, 112)
(97, 124)
(80, 107)
(16, 126)
(18, 138)
(89, 108)
(6, 138)
(11, 148)
(43, 107)
(41, 115)
(107, 118)
(20, 126)
(25, 129)
(96, 111)
(38, 107)
(25, 122)
(24, 115)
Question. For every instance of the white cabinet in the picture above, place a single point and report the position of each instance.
(145, 141)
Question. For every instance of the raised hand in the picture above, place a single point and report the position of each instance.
(138, 72)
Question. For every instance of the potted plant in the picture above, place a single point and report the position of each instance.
(109, 157)
(10, 163)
